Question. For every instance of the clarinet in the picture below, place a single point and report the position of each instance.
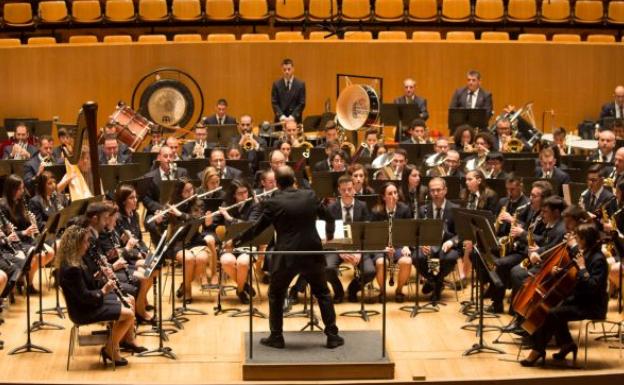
(11, 229)
(391, 266)
(102, 263)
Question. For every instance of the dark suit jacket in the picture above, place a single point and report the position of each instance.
(484, 100)
(595, 157)
(32, 150)
(550, 237)
(487, 200)
(293, 213)
(420, 102)
(560, 177)
(360, 211)
(212, 119)
(321, 165)
(590, 292)
(82, 294)
(287, 102)
(605, 197)
(42, 211)
(426, 211)
(122, 157)
(151, 200)
(511, 208)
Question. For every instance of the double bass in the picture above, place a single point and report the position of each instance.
(546, 289)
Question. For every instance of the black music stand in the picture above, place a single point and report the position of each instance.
(427, 232)
(162, 350)
(57, 170)
(475, 117)
(75, 209)
(112, 174)
(29, 347)
(359, 235)
(417, 151)
(231, 232)
(192, 227)
(52, 226)
(485, 242)
(193, 166)
(221, 134)
(262, 239)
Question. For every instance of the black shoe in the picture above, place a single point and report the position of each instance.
(541, 356)
(427, 287)
(142, 321)
(293, 298)
(274, 340)
(132, 348)
(561, 354)
(106, 358)
(495, 309)
(250, 290)
(399, 297)
(180, 291)
(334, 340)
(512, 326)
(32, 291)
(352, 296)
(243, 297)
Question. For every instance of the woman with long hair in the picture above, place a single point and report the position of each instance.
(390, 206)
(412, 190)
(89, 301)
(47, 201)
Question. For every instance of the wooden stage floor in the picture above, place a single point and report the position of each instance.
(209, 349)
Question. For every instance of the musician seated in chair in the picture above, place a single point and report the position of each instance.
(110, 130)
(597, 197)
(494, 164)
(111, 153)
(348, 209)
(389, 206)
(66, 138)
(440, 148)
(325, 164)
(196, 149)
(523, 219)
(37, 163)
(217, 160)
(451, 166)
(589, 299)
(483, 144)
(614, 226)
(359, 176)
(606, 147)
(255, 153)
(220, 116)
(157, 140)
(90, 301)
(446, 254)
(548, 170)
(410, 97)
(417, 132)
(20, 149)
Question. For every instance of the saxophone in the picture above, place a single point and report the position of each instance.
(526, 263)
(498, 222)
(507, 242)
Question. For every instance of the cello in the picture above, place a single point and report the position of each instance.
(546, 289)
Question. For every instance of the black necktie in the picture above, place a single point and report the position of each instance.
(288, 84)
(438, 214)
(592, 202)
(473, 201)
(348, 218)
(470, 96)
(621, 108)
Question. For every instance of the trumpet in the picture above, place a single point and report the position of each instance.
(199, 150)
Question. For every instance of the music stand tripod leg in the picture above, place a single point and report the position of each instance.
(362, 312)
(251, 311)
(41, 324)
(416, 308)
(28, 347)
(218, 309)
(175, 319)
(184, 310)
(57, 309)
(161, 350)
(313, 321)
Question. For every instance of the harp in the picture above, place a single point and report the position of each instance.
(86, 125)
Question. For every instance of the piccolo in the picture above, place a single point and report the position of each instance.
(171, 208)
(235, 205)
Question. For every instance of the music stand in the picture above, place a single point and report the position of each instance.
(141, 185)
(145, 160)
(42, 127)
(192, 227)
(57, 170)
(474, 117)
(485, 242)
(370, 200)
(242, 165)
(416, 151)
(194, 166)
(221, 133)
(29, 347)
(358, 235)
(325, 184)
(427, 232)
(231, 232)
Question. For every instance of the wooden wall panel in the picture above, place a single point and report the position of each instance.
(572, 79)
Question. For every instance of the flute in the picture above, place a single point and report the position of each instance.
(235, 205)
(171, 208)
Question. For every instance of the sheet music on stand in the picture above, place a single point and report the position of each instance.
(342, 233)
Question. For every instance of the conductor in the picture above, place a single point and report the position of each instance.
(293, 214)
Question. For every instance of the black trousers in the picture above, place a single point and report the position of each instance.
(556, 324)
(366, 267)
(314, 274)
(504, 265)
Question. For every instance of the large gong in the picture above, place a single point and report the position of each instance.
(169, 97)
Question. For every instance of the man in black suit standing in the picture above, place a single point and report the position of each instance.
(220, 117)
(288, 94)
(472, 95)
(348, 209)
(615, 108)
(151, 199)
(293, 213)
(410, 97)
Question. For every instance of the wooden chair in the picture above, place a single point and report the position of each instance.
(460, 36)
(10, 42)
(152, 39)
(521, 11)
(489, 11)
(113, 39)
(53, 12)
(566, 38)
(83, 39)
(41, 40)
(615, 12)
(220, 10)
(588, 11)
(289, 36)
(426, 36)
(95, 338)
(87, 12)
(555, 11)
(456, 11)
(356, 10)
(119, 11)
(186, 10)
(600, 38)
(358, 35)
(390, 11)
(221, 37)
(290, 11)
(533, 37)
(153, 10)
(187, 37)
(255, 37)
(392, 35)
(18, 15)
(319, 10)
(495, 36)
(424, 11)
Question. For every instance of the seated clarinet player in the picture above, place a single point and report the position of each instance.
(389, 206)
(237, 267)
(90, 301)
(436, 262)
(348, 209)
(589, 299)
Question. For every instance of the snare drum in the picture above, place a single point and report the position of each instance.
(584, 144)
(131, 128)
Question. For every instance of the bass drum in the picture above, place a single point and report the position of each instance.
(357, 106)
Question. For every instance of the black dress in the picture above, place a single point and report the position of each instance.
(85, 301)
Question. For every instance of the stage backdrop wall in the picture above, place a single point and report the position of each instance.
(571, 79)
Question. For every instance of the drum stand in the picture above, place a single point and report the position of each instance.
(41, 324)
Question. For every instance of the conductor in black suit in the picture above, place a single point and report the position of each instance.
(220, 117)
(615, 108)
(472, 95)
(410, 97)
(288, 94)
(293, 214)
